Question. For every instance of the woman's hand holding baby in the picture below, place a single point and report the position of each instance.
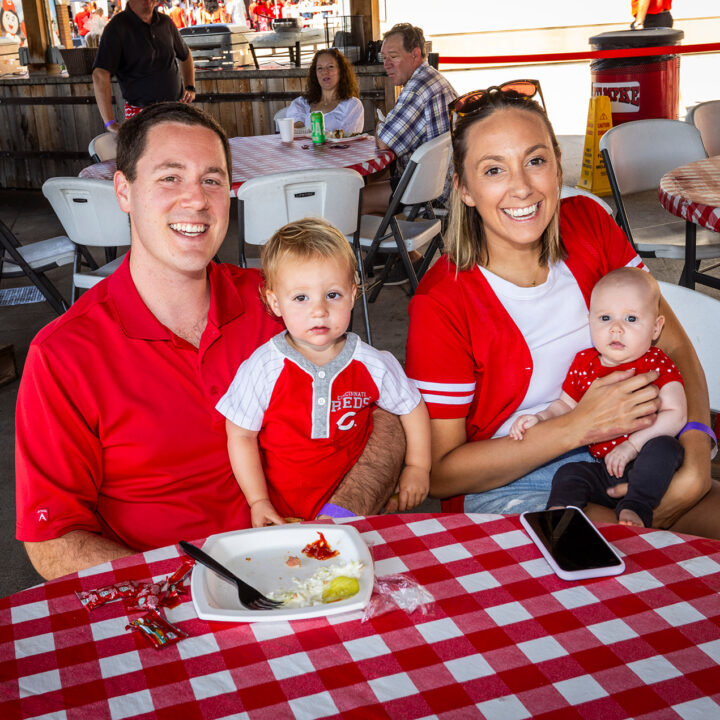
(618, 404)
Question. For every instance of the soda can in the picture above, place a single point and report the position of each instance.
(317, 124)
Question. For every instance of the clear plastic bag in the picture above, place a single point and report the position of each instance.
(393, 592)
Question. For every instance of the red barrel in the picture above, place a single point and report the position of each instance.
(638, 87)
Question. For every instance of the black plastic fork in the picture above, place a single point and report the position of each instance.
(247, 594)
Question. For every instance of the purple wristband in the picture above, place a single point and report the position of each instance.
(335, 511)
(109, 123)
(702, 427)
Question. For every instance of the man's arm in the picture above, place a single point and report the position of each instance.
(58, 472)
(643, 6)
(378, 141)
(371, 481)
(187, 70)
(102, 86)
(75, 551)
(404, 125)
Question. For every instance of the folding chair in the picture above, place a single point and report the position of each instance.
(91, 216)
(637, 154)
(399, 232)
(696, 313)
(567, 191)
(268, 202)
(103, 147)
(34, 260)
(706, 118)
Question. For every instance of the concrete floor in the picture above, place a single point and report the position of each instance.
(30, 217)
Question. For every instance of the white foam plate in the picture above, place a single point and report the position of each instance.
(259, 557)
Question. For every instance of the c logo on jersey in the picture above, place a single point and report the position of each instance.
(346, 421)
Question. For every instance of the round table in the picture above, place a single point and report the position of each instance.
(257, 155)
(692, 192)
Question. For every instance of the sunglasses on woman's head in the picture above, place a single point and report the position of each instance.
(474, 101)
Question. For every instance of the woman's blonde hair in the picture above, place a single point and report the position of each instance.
(464, 239)
(305, 240)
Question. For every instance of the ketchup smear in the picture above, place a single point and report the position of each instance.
(320, 550)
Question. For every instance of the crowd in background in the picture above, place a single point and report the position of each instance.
(90, 21)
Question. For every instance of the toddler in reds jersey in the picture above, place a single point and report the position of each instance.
(624, 322)
(299, 410)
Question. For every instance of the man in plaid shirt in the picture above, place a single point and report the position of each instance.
(420, 113)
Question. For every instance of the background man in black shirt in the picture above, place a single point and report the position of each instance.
(143, 48)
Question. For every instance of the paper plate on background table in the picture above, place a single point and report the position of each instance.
(259, 557)
(349, 138)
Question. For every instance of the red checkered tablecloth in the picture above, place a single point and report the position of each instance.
(692, 192)
(266, 154)
(507, 639)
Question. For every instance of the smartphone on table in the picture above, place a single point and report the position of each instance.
(571, 544)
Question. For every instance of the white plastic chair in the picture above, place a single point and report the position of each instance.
(567, 191)
(281, 113)
(637, 154)
(91, 216)
(268, 202)
(422, 182)
(34, 260)
(706, 118)
(699, 314)
(103, 147)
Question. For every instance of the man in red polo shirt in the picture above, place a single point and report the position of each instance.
(118, 445)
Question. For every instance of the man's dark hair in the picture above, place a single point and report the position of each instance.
(413, 36)
(132, 135)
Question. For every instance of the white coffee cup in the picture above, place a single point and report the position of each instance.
(287, 129)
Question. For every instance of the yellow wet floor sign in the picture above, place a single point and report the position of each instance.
(593, 176)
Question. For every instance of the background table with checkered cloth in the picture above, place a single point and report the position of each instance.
(506, 639)
(692, 192)
(266, 154)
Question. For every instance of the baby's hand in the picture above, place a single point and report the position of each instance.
(521, 424)
(263, 513)
(619, 457)
(414, 484)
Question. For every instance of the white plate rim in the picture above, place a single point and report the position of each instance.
(351, 138)
(206, 611)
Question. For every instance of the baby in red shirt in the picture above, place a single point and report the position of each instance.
(624, 322)
(299, 411)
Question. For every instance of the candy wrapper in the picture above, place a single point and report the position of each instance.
(141, 596)
(157, 630)
(92, 599)
(167, 593)
(398, 591)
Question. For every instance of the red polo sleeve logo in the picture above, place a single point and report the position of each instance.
(43, 514)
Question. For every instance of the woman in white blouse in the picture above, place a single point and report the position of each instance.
(332, 88)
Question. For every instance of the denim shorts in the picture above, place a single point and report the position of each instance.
(526, 494)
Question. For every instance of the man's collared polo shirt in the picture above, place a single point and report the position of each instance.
(117, 431)
(143, 57)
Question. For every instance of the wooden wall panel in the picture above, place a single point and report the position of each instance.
(47, 123)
